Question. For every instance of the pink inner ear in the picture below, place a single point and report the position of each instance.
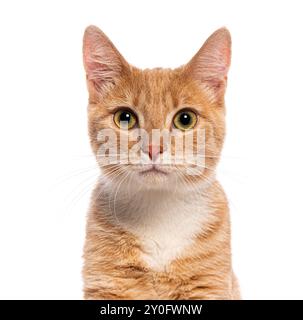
(217, 84)
(99, 74)
(102, 61)
(210, 65)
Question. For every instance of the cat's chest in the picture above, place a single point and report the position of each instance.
(167, 232)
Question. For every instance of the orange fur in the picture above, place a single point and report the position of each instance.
(118, 263)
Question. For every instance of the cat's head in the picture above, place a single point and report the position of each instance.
(144, 123)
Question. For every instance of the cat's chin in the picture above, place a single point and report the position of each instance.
(154, 171)
(153, 175)
(153, 178)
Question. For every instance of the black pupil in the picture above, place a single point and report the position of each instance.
(185, 119)
(125, 116)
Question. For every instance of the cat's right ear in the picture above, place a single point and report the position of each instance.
(211, 63)
(103, 63)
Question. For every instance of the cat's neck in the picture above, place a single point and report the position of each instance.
(147, 209)
(166, 223)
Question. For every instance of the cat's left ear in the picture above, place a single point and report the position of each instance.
(104, 65)
(211, 63)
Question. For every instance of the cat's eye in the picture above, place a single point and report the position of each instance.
(185, 120)
(125, 119)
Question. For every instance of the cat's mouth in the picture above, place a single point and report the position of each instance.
(154, 170)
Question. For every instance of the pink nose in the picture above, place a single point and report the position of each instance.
(154, 151)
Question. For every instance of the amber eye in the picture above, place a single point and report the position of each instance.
(125, 119)
(185, 120)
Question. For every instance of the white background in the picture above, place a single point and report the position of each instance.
(47, 169)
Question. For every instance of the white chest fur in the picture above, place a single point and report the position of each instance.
(165, 224)
(168, 238)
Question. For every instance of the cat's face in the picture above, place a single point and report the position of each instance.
(156, 129)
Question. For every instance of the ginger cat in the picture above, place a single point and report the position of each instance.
(154, 230)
